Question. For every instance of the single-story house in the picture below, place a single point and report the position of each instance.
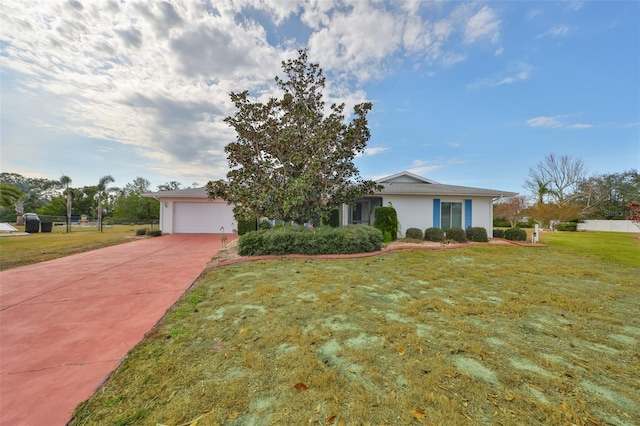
(419, 202)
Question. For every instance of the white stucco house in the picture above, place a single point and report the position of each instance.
(419, 202)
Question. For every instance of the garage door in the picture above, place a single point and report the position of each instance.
(202, 218)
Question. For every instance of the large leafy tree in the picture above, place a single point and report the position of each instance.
(607, 196)
(290, 161)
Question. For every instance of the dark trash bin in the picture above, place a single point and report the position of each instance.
(32, 226)
(46, 226)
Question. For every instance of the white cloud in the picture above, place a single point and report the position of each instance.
(580, 126)
(554, 122)
(484, 24)
(499, 51)
(557, 31)
(544, 122)
(373, 150)
(516, 72)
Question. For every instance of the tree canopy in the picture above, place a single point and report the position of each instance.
(290, 161)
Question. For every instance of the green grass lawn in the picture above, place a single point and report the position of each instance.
(26, 249)
(482, 335)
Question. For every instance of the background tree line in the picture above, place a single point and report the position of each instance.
(560, 190)
(49, 197)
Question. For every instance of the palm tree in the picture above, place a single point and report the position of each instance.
(66, 181)
(101, 194)
(11, 196)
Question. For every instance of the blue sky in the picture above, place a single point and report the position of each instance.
(465, 93)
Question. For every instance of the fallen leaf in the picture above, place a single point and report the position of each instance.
(351, 370)
(194, 423)
(563, 406)
(400, 350)
(300, 387)
(330, 420)
(417, 414)
(319, 408)
(234, 415)
(420, 350)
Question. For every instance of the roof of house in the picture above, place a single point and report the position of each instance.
(407, 183)
(180, 193)
(403, 183)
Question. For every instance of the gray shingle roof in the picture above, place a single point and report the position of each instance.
(179, 193)
(441, 189)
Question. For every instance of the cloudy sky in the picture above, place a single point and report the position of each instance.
(466, 93)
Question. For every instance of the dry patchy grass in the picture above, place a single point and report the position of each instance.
(475, 336)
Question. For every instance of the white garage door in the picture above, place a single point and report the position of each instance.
(202, 218)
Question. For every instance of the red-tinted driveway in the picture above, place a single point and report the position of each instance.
(66, 324)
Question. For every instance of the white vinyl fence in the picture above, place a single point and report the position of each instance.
(608, 225)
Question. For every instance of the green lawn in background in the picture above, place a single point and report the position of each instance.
(38, 247)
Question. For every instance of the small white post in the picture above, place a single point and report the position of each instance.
(536, 234)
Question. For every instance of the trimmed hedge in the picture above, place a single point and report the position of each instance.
(387, 222)
(154, 233)
(414, 233)
(515, 234)
(477, 234)
(245, 226)
(498, 233)
(434, 234)
(457, 235)
(567, 226)
(299, 240)
(141, 232)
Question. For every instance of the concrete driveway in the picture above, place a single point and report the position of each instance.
(67, 323)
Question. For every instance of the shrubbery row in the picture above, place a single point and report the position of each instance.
(513, 234)
(299, 240)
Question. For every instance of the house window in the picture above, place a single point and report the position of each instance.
(450, 215)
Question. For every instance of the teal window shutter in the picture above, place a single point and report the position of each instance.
(436, 212)
(467, 214)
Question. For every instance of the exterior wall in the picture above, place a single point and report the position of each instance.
(415, 211)
(166, 216)
(608, 225)
(483, 214)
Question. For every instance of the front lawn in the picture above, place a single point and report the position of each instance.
(479, 335)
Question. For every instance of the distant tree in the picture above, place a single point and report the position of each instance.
(130, 203)
(101, 194)
(635, 214)
(512, 209)
(607, 196)
(170, 186)
(37, 191)
(291, 162)
(546, 214)
(559, 177)
(65, 181)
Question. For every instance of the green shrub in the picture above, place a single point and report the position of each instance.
(334, 218)
(141, 232)
(477, 234)
(387, 221)
(245, 226)
(500, 222)
(434, 234)
(498, 233)
(264, 224)
(414, 233)
(567, 226)
(322, 240)
(457, 235)
(154, 233)
(515, 234)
